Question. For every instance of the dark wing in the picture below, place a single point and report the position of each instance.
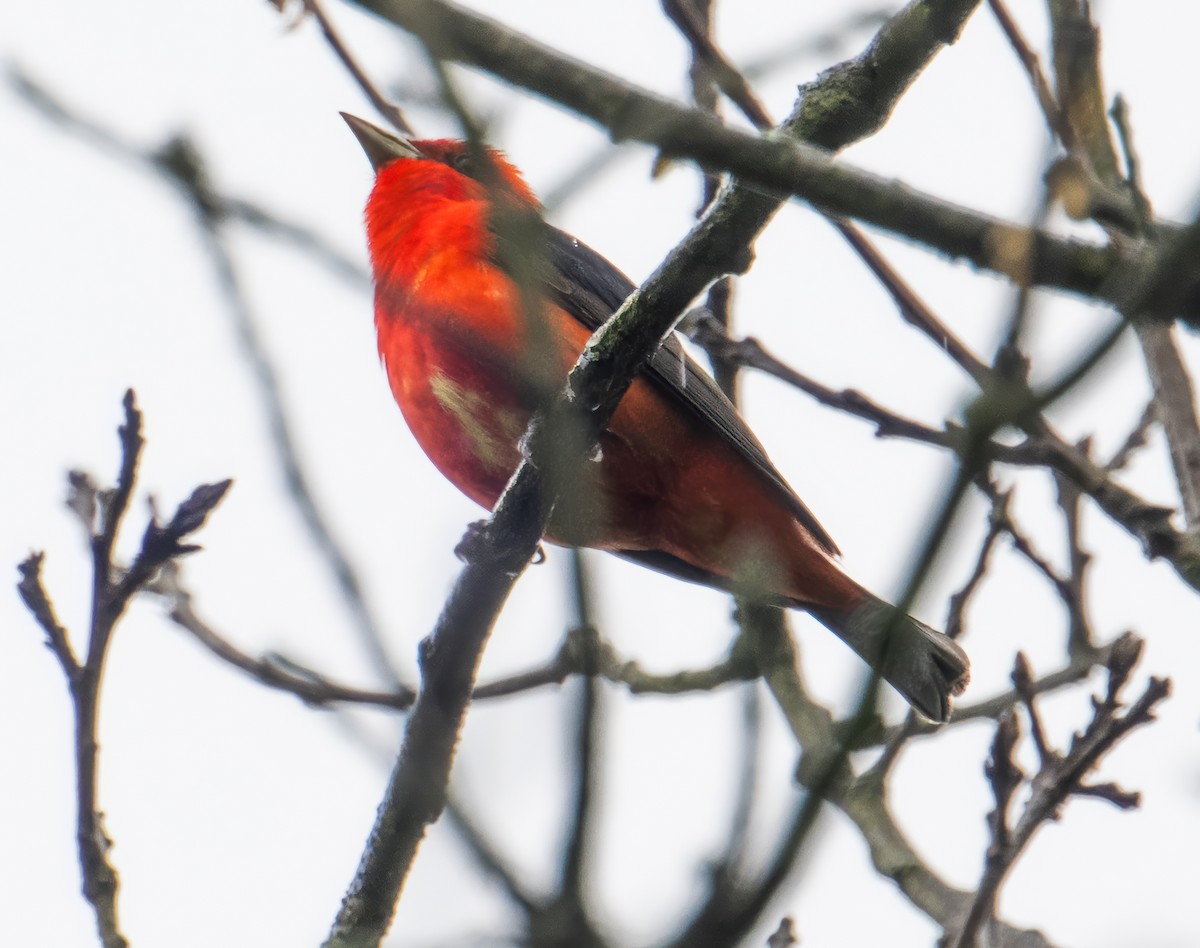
(591, 289)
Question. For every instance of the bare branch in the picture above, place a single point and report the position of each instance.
(696, 29)
(1133, 173)
(823, 44)
(1041, 85)
(997, 524)
(273, 671)
(37, 601)
(101, 512)
(1175, 407)
(488, 857)
(581, 653)
(1150, 523)
(1059, 777)
(1135, 441)
(383, 105)
(703, 329)
(570, 912)
(914, 309)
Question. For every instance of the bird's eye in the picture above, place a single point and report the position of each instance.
(461, 163)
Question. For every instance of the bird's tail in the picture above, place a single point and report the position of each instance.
(925, 666)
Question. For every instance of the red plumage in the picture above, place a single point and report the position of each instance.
(681, 484)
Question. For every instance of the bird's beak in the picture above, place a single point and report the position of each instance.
(381, 147)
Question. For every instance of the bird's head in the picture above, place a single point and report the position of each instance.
(486, 167)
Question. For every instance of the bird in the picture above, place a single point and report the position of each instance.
(678, 482)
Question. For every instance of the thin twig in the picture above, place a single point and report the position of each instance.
(707, 332)
(697, 30)
(997, 524)
(1037, 78)
(489, 858)
(824, 44)
(36, 600)
(383, 105)
(586, 738)
(914, 309)
(274, 671)
(1135, 440)
(1148, 522)
(1175, 408)
(1133, 170)
(564, 919)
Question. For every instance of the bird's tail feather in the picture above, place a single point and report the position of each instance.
(925, 666)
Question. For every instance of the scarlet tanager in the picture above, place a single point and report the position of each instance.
(679, 483)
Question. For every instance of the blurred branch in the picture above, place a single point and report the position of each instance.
(1175, 407)
(382, 104)
(223, 206)
(1143, 213)
(571, 182)
(564, 919)
(710, 335)
(914, 309)
(1059, 777)
(1135, 440)
(1033, 69)
(736, 899)
(1080, 93)
(180, 158)
(706, 95)
(488, 857)
(997, 524)
(696, 26)
(824, 44)
(112, 589)
(727, 871)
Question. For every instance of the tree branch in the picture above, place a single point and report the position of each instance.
(112, 589)
(1060, 775)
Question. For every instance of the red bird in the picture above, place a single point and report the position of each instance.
(680, 482)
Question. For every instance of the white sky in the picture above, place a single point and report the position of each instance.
(239, 814)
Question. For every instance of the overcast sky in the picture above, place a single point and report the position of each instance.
(238, 813)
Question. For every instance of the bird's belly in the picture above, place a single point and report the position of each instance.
(464, 418)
